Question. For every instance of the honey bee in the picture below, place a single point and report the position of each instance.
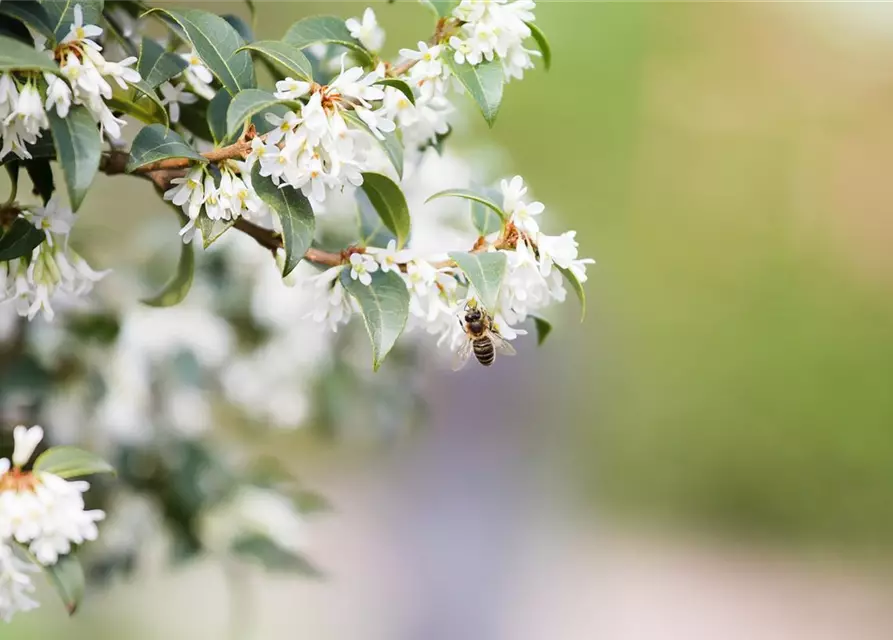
(483, 338)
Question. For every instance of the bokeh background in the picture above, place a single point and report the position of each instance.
(709, 455)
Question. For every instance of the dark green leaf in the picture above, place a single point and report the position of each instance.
(12, 168)
(385, 307)
(178, 286)
(157, 65)
(15, 55)
(71, 462)
(154, 143)
(295, 216)
(61, 14)
(272, 557)
(217, 110)
(543, 329)
(577, 286)
(390, 142)
(390, 203)
(470, 195)
(67, 576)
(285, 54)
(157, 110)
(542, 43)
(328, 30)
(31, 13)
(194, 117)
(41, 174)
(485, 272)
(240, 26)
(401, 86)
(12, 28)
(245, 105)
(20, 240)
(217, 44)
(443, 8)
(484, 83)
(78, 148)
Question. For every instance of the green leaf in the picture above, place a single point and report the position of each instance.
(390, 203)
(71, 462)
(154, 143)
(178, 286)
(15, 55)
(217, 44)
(443, 8)
(577, 286)
(401, 86)
(390, 142)
(246, 104)
(78, 148)
(41, 174)
(157, 65)
(21, 239)
(159, 112)
(284, 54)
(295, 216)
(61, 14)
(67, 576)
(485, 272)
(484, 82)
(12, 168)
(240, 26)
(328, 30)
(217, 110)
(272, 557)
(543, 329)
(484, 220)
(212, 230)
(542, 43)
(385, 307)
(31, 13)
(468, 194)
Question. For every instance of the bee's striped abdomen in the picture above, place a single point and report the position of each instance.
(484, 351)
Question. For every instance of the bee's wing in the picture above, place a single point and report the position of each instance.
(462, 355)
(502, 345)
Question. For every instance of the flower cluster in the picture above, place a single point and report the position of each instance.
(312, 149)
(31, 283)
(40, 512)
(494, 29)
(439, 292)
(84, 79)
(226, 199)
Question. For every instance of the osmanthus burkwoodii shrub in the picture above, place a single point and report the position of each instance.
(326, 195)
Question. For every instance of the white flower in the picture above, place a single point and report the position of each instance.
(188, 192)
(15, 584)
(58, 94)
(26, 441)
(80, 32)
(367, 32)
(494, 29)
(420, 276)
(55, 218)
(521, 214)
(361, 267)
(198, 75)
(390, 258)
(560, 250)
(291, 89)
(331, 304)
(121, 72)
(427, 59)
(174, 96)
